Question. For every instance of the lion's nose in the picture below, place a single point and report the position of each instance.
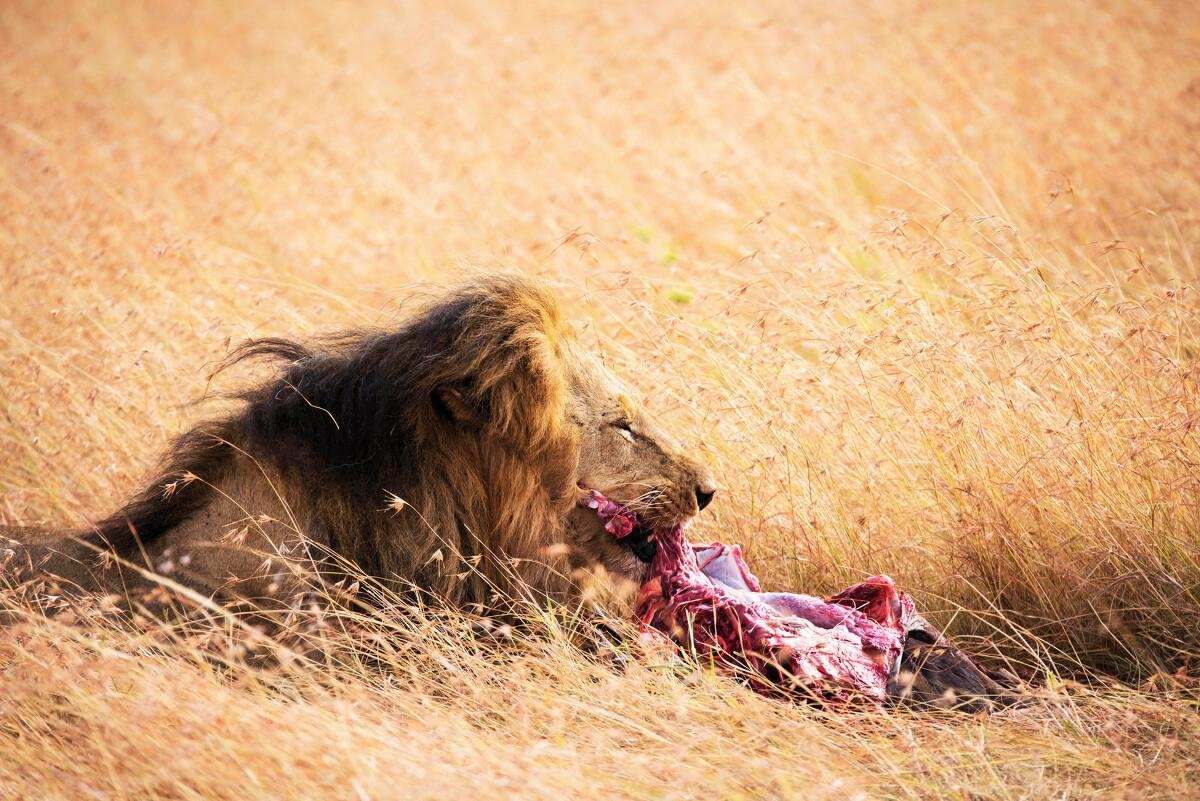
(704, 494)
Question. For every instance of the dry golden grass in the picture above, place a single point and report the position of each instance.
(920, 282)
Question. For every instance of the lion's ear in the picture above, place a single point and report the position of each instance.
(500, 370)
(452, 403)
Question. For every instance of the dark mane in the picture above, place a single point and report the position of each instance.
(174, 495)
(424, 412)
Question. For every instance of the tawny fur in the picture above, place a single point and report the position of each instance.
(446, 456)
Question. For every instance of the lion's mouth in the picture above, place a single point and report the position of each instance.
(641, 543)
(625, 525)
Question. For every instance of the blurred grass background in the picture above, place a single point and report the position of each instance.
(917, 279)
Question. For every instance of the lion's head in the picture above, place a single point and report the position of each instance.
(546, 421)
(626, 455)
(448, 454)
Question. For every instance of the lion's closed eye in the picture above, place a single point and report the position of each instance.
(624, 428)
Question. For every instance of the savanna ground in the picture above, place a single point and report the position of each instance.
(918, 281)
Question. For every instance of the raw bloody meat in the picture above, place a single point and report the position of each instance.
(705, 598)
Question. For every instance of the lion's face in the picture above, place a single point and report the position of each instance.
(629, 458)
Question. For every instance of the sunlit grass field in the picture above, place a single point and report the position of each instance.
(918, 280)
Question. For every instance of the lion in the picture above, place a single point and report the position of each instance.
(445, 457)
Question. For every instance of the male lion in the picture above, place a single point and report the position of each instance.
(447, 455)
